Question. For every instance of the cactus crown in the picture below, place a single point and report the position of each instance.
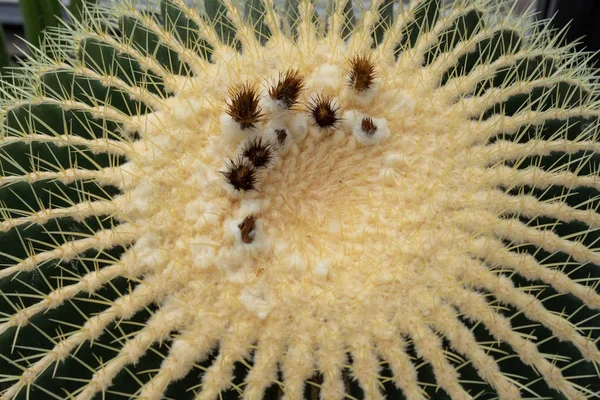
(298, 200)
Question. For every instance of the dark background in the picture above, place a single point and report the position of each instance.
(583, 17)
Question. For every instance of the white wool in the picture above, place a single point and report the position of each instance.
(138, 200)
(148, 240)
(386, 276)
(151, 259)
(143, 189)
(195, 209)
(203, 253)
(53, 299)
(62, 350)
(389, 177)
(162, 218)
(92, 283)
(326, 79)
(249, 207)
(231, 131)
(202, 213)
(199, 172)
(149, 124)
(129, 176)
(381, 134)
(214, 180)
(322, 52)
(133, 351)
(265, 203)
(338, 136)
(182, 351)
(101, 379)
(237, 265)
(231, 231)
(321, 269)
(94, 326)
(175, 311)
(274, 110)
(255, 301)
(408, 144)
(296, 261)
(227, 259)
(395, 160)
(184, 110)
(224, 54)
(297, 124)
(233, 235)
(211, 216)
(216, 147)
(367, 96)
(400, 101)
(317, 132)
(140, 147)
(164, 143)
(281, 248)
(334, 226)
(270, 135)
(261, 243)
(350, 118)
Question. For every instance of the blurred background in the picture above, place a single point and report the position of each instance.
(27, 19)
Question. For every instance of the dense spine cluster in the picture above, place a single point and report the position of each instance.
(288, 88)
(361, 73)
(324, 112)
(297, 201)
(243, 106)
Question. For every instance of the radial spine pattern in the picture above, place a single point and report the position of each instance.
(266, 200)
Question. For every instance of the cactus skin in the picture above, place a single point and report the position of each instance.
(451, 257)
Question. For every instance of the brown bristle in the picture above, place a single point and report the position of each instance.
(288, 88)
(324, 112)
(247, 229)
(241, 174)
(361, 73)
(368, 126)
(259, 153)
(281, 136)
(243, 105)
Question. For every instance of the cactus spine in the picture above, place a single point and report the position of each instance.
(267, 200)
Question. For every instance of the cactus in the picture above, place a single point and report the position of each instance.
(300, 200)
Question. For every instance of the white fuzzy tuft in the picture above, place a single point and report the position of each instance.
(298, 126)
(231, 131)
(321, 269)
(255, 301)
(381, 133)
(325, 80)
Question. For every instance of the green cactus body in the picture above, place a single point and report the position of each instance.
(292, 200)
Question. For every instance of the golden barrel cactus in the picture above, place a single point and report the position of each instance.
(300, 200)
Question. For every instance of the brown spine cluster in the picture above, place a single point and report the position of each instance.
(361, 74)
(288, 88)
(241, 174)
(282, 135)
(243, 105)
(247, 228)
(324, 112)
(259, 153)
(368, 126)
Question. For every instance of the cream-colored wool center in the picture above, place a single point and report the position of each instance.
(344, 229)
